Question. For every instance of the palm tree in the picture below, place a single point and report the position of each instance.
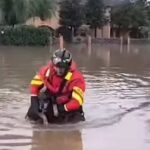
(43, 9)
(18, 11)
(13, 11)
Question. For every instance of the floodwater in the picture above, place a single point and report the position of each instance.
(117, 99)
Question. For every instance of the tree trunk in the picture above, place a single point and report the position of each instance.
(72, 33)
(125, 34)
(95, 32)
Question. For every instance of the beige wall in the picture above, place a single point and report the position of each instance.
(53, 22)
(106, 31)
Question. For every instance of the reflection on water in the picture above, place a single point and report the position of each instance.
(64, 140)
(117, 99)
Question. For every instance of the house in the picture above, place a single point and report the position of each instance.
(105, 31)
(53, 23)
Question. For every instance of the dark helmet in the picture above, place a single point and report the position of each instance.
(62, 58)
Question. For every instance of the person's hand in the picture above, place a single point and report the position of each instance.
(61, 108)
(61, 100)
(33, 112)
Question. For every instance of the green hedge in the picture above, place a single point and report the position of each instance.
(24, 35)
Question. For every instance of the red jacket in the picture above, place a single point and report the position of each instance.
(72, 96)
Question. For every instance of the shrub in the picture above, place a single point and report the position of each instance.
(24, 35)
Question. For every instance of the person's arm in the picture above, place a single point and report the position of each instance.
(38, 81)
(77, 96)
(36, 85)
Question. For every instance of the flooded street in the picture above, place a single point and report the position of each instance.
(117, 99)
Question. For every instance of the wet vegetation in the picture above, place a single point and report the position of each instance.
(126, 18)
(14, 14)
(129, 16)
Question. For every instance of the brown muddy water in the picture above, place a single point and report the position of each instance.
(117, 100)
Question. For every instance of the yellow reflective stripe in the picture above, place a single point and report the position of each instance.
(36, 82)
(47, 73)
(77, 97)
(79, 91)
(65, 108)
(68, 76)
(33, 94)
(37, 77)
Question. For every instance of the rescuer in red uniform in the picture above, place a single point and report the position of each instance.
(57, 90)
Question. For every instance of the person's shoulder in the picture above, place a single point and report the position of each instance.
(74, 69)
(78, 79)
(45, 68)
(77, 74)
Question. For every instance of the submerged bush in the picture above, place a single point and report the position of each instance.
(24, 35)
